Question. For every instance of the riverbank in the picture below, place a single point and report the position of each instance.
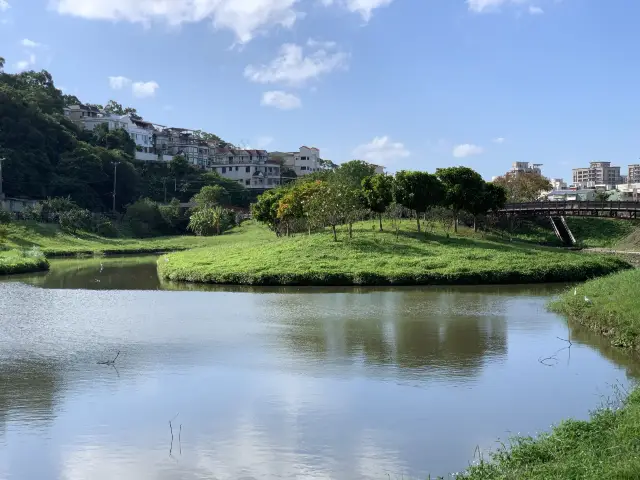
(605, 446)
(19, 261)
(378, 258)
(53, 242)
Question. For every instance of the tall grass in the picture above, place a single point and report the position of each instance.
(378, 258)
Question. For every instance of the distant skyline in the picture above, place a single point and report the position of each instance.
(405, 84)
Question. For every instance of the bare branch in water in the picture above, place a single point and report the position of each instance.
(110, 362)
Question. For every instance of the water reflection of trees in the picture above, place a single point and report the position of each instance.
(394, 328)
(29, 389)
(629, 360)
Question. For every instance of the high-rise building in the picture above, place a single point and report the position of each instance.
(634, 174)
(596, 174)
(526, 167)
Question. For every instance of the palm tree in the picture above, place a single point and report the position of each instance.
(217, 213)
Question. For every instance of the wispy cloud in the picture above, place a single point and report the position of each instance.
(364, 8)
(381, 150)
(499, 140)
(534, 10)
(26, 64)
(4, 5)
(119, 82)
(245, 18)
(30, 43)
(281, 100)
(144, 89)
(467, 150)
(294, 67)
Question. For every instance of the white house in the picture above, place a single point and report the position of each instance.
(302, 162)
(251, 168)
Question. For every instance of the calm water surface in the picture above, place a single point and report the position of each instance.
(277, 383)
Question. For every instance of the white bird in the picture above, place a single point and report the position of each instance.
(101, 267)
(588, 300)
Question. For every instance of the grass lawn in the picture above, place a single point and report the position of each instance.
(53, 242)
(19, 261)
(377, 258)
(614, 310)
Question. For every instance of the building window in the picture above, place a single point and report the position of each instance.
(236, 169)
(303, 168)
(224, 169)
(247, 182)
(248, 169)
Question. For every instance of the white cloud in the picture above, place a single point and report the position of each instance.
(487, 6)
(363, 7)
(144, 89)
(26, 64)
(4, 5)
(293, 67)
(381, 150)
(467, 150)
(498, 140)
(30, 43)
(245, 18)
(281, 100)
(263, 142)
(118, 83)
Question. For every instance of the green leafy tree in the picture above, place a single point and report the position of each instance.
(180, 166)
(523, 187)
(418, 191)
(265, 209)
(75, 220)
(209, 221)
(2, 64)
(603, 196)
(462, 186)
(116, 139)
(377, 191)
(173, 216)
(69, 100)
(353, 172)
(210, 196)
(144, 218)
(491, 198)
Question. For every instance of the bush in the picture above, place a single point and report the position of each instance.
(104, 227)
(5, 217)
(52, 208)
(144, 218)
(74, 220)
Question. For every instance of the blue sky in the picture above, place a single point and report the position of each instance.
(411, 84)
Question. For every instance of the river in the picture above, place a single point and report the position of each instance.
(291, 383)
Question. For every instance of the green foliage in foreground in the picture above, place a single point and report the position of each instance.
(614, 310)
(19, 261)
(54, 242)
(606, 446)
(377, 258)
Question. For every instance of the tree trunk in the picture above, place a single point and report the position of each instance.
(335, 235)
(475, 224)
(418, 220)
(455, 222)
(350, 230)
(380, 217)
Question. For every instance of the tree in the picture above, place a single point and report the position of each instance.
(117, 139)
(603, 196)
(463, 186)
(2, 64)
(210, 196)
(418, 191)
(69, 100)
(492, 198)
(265, 210)
(523, 187)
(295, 204)
(377, 191)
(179, 166)
(208, 221)
(144, 218)
(352, 173)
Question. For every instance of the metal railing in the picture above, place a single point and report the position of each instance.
(550, 206)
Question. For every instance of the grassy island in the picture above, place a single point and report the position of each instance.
(251, 255)
(18, 261)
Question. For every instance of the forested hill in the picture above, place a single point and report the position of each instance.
(46, 155)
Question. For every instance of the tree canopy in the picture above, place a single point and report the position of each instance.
(523, 187)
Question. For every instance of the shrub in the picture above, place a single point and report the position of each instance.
(105, 227)
(74, 220)
(5, 217)
(144, 218)
(52, 208)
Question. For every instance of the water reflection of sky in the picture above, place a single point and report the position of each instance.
(278, 386)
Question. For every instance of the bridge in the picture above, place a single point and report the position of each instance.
(624, 210)
(557, 211)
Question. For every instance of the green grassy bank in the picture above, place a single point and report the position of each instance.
(20, 261)
(613, 310)
(607, 445)
(54, 242)
(377, 258)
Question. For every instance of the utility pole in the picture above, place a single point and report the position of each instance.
(2, 159)
(115, 177)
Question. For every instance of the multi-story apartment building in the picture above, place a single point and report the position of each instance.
(558, 184)
(302, 162)
(526, 167)
(634, 173)
(251, 168)
(597, 174)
